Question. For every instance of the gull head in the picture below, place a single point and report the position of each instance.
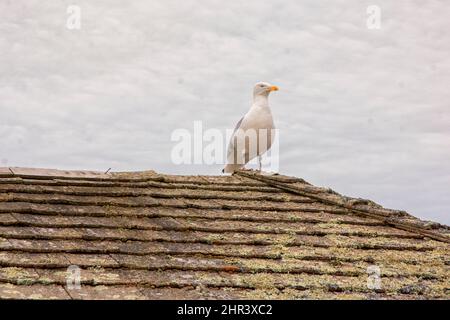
(263, 89)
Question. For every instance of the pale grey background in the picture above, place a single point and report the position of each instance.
(365, 112)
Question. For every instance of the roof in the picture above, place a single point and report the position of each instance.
(145, 235)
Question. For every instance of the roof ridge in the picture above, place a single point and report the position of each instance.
(6, 172)
(396, 218)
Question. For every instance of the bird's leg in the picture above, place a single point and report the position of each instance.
(260, 162)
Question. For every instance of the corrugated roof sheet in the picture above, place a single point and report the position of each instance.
(145, 235)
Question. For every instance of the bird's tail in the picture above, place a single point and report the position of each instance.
(230, 168)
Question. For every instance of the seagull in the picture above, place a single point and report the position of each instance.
(253, 134)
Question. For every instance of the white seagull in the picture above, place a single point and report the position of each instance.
(254, 133)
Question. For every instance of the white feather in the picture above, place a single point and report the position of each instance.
(257, 124)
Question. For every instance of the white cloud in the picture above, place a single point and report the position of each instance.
(363, 111)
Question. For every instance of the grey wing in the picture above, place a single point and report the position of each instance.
(238, 125)
(231, 144)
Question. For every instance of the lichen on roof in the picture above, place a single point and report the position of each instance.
(146, 235)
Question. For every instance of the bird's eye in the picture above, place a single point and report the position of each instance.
(261, 85)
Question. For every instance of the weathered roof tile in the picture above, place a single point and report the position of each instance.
(145, 235)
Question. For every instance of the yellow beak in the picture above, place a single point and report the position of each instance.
(273, 88)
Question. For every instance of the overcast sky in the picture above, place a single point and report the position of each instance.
(363, 111)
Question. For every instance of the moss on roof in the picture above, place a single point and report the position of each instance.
(145, 235)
